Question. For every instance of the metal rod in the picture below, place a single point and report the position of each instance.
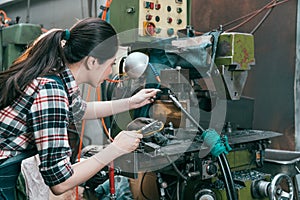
(178, 104)
(230, 188)
(28, 12)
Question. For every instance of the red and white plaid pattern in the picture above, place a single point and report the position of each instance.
(38, 122)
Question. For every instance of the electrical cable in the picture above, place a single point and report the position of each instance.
(182, 191)
(107, 5)
(255, 13)
(177, 191)
(251, 15)
(102, 121)
(141, 186)
(228, 193)
(111, 169)
(231, 191)
(176, 169)
(156, 74)
(247, 15)
(223, 163)
(262, 20)
(81, 137)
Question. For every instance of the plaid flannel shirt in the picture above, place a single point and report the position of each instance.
(38, 121)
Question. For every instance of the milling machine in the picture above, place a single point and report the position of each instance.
(201, 78)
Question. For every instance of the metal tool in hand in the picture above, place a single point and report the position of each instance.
(151, 128)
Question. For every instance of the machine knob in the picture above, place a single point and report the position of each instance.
(157, 6)
(157, 30)
(205, 194)
(169, 8)
(170, 31)
(179, 21)
(169, 20)
(157, 18)
(211, 169)
(150, 29)
(151, 5)
(146, 4)
(179, 10)
(148, 17)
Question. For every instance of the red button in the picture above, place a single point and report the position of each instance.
(148, 17)
(157, 6)
(151, 5)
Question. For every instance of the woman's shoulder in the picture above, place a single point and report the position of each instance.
(44, 83)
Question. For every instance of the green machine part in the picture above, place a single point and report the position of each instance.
(124, 18)
(145, 21)
(241, 160)
(236, 49)
(243, 193)
(14, 40)
(234, 58)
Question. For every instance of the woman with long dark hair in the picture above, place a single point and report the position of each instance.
(36, 109)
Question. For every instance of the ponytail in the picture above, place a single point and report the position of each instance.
(44, 56)
(88, 37)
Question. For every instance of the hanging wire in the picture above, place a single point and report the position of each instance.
(81, 138)
(265, 16)
(262, 20)
(253, 14)
(107, 5)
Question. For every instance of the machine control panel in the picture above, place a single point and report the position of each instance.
(162, 18)
(150, 18)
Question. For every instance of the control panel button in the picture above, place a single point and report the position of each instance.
(157, 18)
(150, 29)
(151, 6)
(157, 30)
(148, 17)
(170, 31)
(169, 9)
(179, 21)
(157, 6)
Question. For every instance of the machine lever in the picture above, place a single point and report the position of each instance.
(178, 104)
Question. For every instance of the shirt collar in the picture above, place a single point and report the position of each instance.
(69, 80)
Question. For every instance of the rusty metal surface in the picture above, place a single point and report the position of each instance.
(271, 81)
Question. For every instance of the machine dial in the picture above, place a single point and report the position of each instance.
(205, 194)
(211, 169)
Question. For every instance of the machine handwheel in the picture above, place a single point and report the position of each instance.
(281, 188)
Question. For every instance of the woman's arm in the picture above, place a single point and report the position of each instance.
(124, 142)
(98, 109)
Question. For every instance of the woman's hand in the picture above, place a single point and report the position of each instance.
(143, 97)
(127, 141)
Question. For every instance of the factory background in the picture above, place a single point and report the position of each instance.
(272, 82)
